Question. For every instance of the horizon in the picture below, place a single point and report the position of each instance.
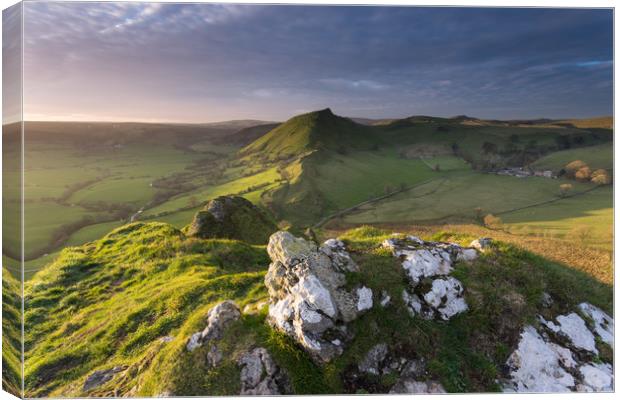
(205, 63)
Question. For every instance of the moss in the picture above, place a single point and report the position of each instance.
(232, 217)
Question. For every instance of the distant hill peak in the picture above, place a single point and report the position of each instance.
(316, 130)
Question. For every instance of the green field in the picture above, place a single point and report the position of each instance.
(587, 219)
(601, 156)
(458, 196)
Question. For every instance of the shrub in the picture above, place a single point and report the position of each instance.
(572, 167)
(565, 188)
(583, 174)
(492, 222)
(600, 177)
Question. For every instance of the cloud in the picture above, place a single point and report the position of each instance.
(364, 84)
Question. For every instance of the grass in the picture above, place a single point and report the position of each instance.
(600, 156)
(43, 219)
(586, 219)
(109, 302)
(459, 196)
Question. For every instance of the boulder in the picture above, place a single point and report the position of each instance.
(232, 217)
(308, 297)
(260, 375)
(98, 378)
(432, 292)
(482, 244)
(219, 318)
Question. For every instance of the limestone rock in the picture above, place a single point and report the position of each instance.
(573, 328)
(375, 356)
(535, 366)
(432, 293)
(561, 355)
(482, 244)
(308, 298)
(603, 323)
(597, 378)
(260, 375)
(232, 217)
(219, 318)
(98, 378)
(411, 386)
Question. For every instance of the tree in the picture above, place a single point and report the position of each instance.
(455, 148)
(492, 222)
(600, 177)
(563, 142)
(488, 147)
(572, 167)
(584, 173)
(565, 188)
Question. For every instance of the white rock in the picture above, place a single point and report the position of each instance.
(413, 302)
(364, 301)
(315, 294)
(603, 323)
(597, 377)
(467, 255)
(446, 297)
(385, 299)
(535, 366)
(481, 244)
(411, 386)
(574, 328)
(194, 341)
(425, 263)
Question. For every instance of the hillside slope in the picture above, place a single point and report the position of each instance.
(319, 130)
(119, 317)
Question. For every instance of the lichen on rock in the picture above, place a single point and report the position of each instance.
(308, 296)
(432, 292)
(219, 318)
(560, 356)
(260, 375)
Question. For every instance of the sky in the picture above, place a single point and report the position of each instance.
(209, 62)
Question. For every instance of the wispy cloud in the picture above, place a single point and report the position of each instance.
(364, 84)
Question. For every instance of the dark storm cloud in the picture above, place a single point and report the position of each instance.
(198, 62)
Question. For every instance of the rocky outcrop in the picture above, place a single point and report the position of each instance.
(232, 217)
(432, 292)
(308, 297)
(260, 375)
(98, 378)
(561, 355)
(379, 361)
(219, 318)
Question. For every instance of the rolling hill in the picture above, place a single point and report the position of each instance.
(319, 130)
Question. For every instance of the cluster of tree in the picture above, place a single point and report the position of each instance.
(580, 171)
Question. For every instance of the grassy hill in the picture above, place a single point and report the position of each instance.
(319, 130)
(132, 299)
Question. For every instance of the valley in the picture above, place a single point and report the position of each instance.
(317, 168)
